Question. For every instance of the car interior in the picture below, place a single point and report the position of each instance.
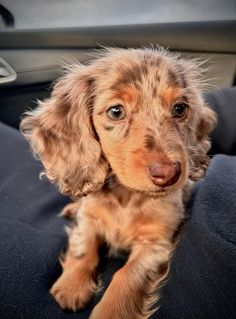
(38, 40)
(32, 58)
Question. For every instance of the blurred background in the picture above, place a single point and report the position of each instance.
(76, 13)
(37, 37)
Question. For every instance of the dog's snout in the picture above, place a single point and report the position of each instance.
(164, 174)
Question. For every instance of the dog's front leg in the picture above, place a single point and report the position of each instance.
(133, 289)
(77, 283)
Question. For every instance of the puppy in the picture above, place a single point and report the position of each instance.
(125, 135)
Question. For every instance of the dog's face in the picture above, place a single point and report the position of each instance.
(142, 119)
(146, 114)
(138, 112)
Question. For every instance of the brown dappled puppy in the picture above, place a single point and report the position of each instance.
(125, 135)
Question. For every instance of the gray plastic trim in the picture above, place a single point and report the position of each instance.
(206, 36)
(35, 66)
(10, 74)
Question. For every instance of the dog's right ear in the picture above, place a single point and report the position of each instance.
(61, 133)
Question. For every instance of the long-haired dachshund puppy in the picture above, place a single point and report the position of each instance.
(125, 134)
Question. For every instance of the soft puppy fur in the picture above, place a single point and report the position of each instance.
(124, 135)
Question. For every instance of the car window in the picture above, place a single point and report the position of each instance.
(74, 13)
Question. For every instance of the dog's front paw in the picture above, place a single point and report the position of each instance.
(73, 291)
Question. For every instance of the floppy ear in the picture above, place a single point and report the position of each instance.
(61, 133)
(206, 124)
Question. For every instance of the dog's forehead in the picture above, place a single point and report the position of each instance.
(141, 67)
(141, 79)
(150, 77)
(149, 73)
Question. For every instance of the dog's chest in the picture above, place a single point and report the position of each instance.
(124, 226)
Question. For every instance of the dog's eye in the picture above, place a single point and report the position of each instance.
(116, 112)
(179, 110)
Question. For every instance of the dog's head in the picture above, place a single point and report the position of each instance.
(138, 113)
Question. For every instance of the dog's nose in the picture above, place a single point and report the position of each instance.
(165, 174)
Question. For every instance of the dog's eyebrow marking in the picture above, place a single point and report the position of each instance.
(149, 142)
(125, 94)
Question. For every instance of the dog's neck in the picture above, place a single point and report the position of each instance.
(111, 182)
(121, 192)
(124, 194)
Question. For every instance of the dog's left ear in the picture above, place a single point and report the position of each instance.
(62, 134)
(199, 158)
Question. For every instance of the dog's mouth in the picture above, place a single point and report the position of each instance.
(166, 187)
(173, 180)
(160, 185)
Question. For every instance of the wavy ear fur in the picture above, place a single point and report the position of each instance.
(61, 133)
(199, 156)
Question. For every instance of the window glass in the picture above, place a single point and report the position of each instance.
(73, 13)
